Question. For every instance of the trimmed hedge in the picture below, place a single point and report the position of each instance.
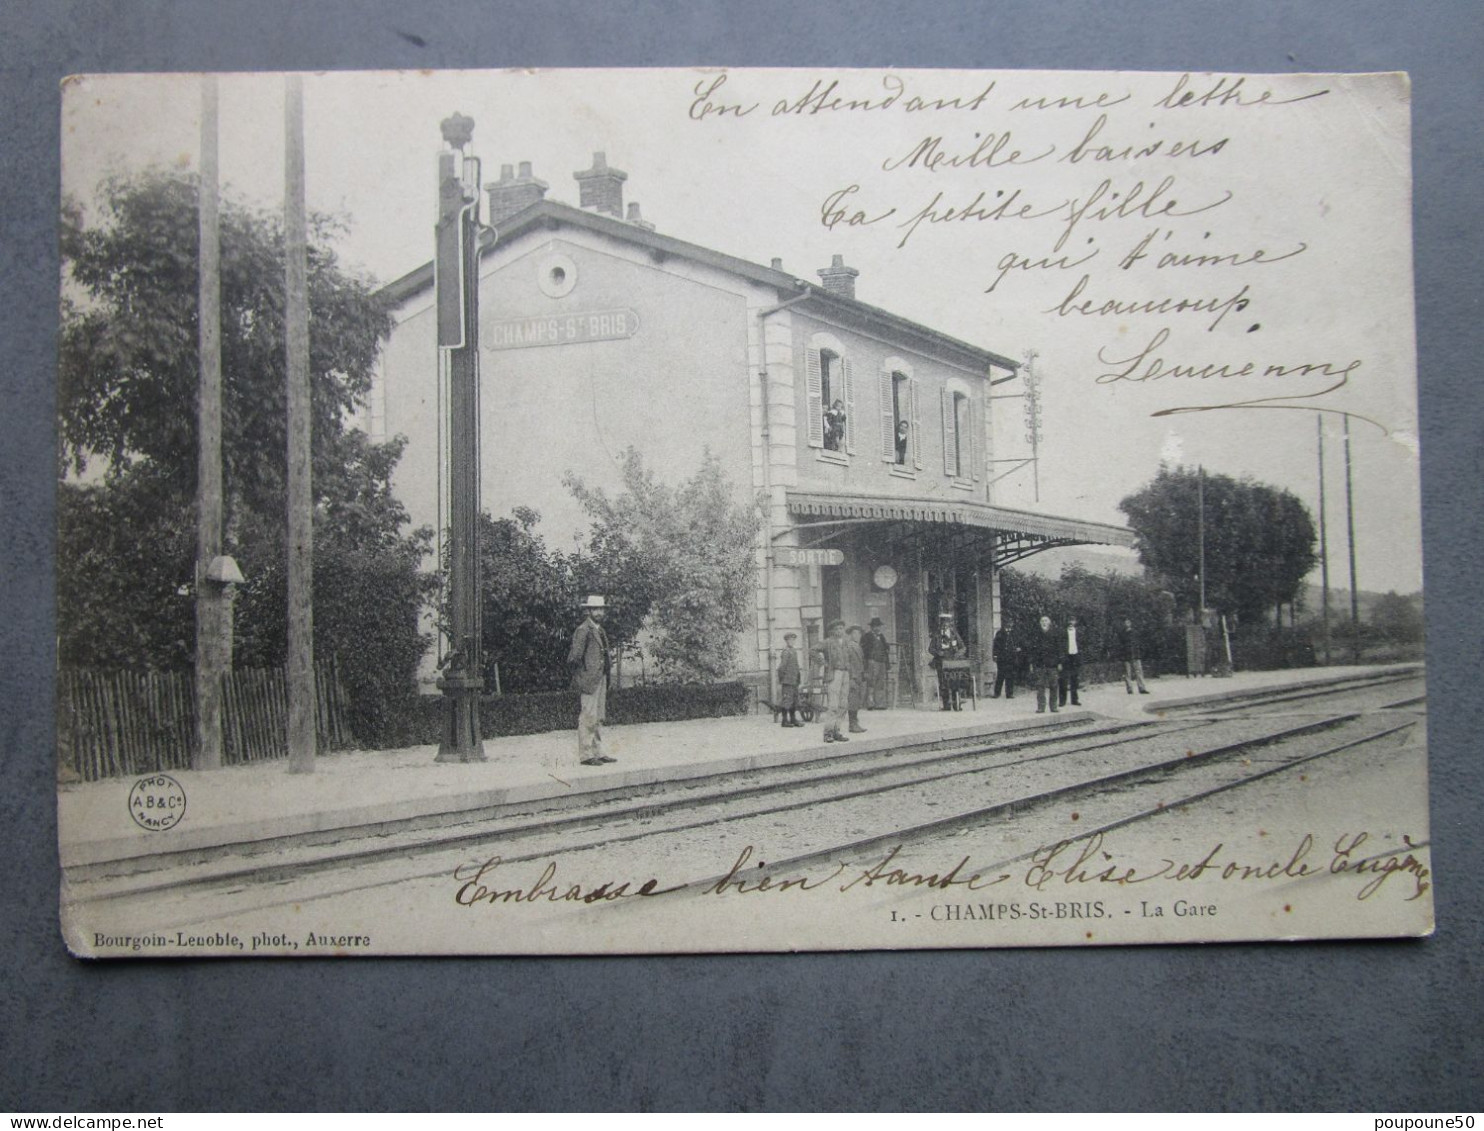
(418, 720)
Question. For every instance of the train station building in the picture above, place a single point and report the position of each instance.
(869, 436)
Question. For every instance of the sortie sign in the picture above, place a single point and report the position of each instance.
(791, 556)
(559, 330)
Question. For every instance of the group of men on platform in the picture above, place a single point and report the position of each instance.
(855, 664)
(1051, 659)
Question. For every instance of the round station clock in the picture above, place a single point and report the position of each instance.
(884, 577)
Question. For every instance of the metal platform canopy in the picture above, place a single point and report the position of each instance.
(1003, 534)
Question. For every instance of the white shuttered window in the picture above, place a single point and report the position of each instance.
(815, 391)
(915, 440)
(850, 418)
(885, 390)
(950, 431)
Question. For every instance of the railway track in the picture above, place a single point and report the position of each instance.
(1329, 696)
(833, 807)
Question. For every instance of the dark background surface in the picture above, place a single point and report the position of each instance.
(1385, 1026)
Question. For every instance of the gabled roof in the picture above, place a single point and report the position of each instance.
(553, 215)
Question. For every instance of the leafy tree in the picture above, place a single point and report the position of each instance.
(125, 554)
(684, 554)
(368, 587)
(1397, 618)
(127, 382)
(1259, 540)
(1100, 602)
(530, 598)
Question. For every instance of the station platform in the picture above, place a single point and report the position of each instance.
(263, 803)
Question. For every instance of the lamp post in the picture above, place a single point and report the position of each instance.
(456, 271)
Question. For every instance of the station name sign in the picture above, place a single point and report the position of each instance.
(559, 330)
(792, 556)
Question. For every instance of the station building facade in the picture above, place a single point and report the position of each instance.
(868, 436)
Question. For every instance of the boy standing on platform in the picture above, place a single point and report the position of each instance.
(788, 682)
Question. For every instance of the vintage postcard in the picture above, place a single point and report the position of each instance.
(737, 510)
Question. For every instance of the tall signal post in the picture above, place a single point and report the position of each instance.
(456, 271)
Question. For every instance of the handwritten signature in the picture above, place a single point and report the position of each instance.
(1065, 864)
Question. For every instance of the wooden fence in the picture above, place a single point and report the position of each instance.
(118, 724)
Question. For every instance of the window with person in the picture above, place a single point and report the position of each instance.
(900, 394)
(831, 397)
(831, 394)
(900, 430)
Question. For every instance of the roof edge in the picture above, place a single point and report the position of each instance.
(555, 213)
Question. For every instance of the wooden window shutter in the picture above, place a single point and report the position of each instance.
(950, 431)
(975, 428)
(914, 441)
(888, 417)
(850, 420)
(815, 390)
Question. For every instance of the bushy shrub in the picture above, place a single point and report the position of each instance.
(418, 720)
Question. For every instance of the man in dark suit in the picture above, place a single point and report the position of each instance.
(1128, 652)
(1046, 648)
(1071, 666)
(587, 659)
(877, 657)
(1007, 655)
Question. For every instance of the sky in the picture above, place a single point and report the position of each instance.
(1163, 243)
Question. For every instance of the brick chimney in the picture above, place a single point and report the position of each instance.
(511, 193)
(601, 188)
(838, 279)
(637, 220)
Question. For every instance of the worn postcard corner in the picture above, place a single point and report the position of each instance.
(737, 510)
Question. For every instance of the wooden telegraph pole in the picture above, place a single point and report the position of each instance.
(1350, 531)
(213, 604)
(1323, 537)
(302, 739)
(457, 275)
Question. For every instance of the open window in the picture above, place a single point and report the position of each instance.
(831, 393)
(960, 432)
(900, 430)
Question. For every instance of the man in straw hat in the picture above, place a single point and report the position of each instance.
(836, 655)
(946, 645)
(588, 659)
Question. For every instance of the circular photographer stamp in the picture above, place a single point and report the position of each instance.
(157, 803)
